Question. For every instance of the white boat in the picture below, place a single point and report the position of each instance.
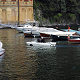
(41, 44)
(21, 28)
(1, 49)
(57, 36)
(28, 26)
(37, 30)
(57, 33)
(74, 39)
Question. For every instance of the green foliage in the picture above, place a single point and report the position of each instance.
(58, 10)
(72, 17)
(59, 15)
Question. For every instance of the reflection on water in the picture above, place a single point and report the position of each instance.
(22, 62)
(17, 63)
(1, 58)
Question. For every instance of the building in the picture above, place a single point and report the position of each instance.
(11, 13)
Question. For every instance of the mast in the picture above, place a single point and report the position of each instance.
(18, 13)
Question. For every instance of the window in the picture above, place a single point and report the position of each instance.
(13, 0)
(25, 0)
(3, 0)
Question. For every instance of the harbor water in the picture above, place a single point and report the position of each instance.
(22, 62)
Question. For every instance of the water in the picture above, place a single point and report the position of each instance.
(22, 62)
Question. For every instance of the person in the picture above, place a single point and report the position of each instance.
(40, 40)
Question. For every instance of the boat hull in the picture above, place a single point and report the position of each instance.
(44, 35)
(28, 35)
(77, 40)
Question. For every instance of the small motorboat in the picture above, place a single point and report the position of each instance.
(41, 43)
(1, 49)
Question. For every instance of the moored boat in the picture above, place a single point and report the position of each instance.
(74, 40)
(28, 26)
(57, 36)
(21, 28)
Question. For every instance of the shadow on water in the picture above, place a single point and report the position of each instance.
(22, 62)
(60, 63)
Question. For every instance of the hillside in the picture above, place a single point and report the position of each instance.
(57, 11)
